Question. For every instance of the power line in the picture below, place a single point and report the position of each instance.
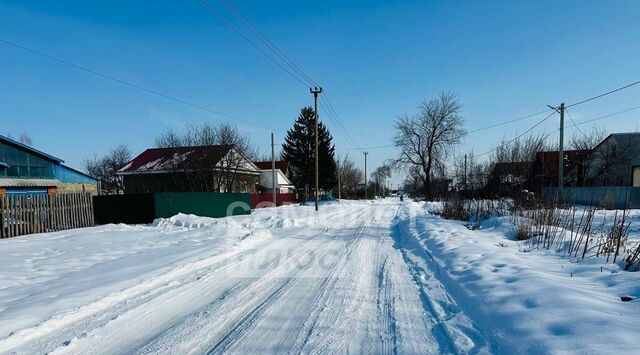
(574, 122)
(519, 136)
(608, 115)
(130, 84)
(233, 7)
(605, 94)
(232, 27)
(510, 121)
(341, 128)
(368, 148)
(236, 13)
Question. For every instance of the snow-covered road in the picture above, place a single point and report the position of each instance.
(309, 284)
(356, 277)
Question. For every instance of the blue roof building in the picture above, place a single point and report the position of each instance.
(24, 169)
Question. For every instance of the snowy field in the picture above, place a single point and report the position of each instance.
(374, 277)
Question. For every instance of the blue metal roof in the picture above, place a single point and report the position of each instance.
(30, 149)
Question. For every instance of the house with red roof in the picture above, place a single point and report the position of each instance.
(283, 184)
(210, 168)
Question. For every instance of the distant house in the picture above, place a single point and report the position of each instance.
(283, 184)
(212, 168)
(615, 161)
(545, 168)
(507, 178)
(24, 169)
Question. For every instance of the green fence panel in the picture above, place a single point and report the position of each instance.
(206, 204)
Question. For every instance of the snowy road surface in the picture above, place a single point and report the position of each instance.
(356, 277)
(335, 283)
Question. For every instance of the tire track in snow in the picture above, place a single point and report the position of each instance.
(199, 323)
(326, 328)
(325, 291)
(175, 302)
(58, 329)
(454, 330)
(246, 326)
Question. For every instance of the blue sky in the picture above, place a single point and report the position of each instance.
(376, 60)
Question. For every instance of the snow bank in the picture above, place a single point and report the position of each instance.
(533, 302)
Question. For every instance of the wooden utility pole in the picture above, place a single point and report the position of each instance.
(273, 171)
(315, 91)
(465, 172)
(561, 153)
(339, 187)
(560, 110)
(365, 176)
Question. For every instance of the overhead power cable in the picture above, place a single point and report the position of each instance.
(293, 70)
(227, 23)
(574, 122)
(130, 84)
(604, 94)
(234, 9)
(520, 135)
(608, 115)
(511, 121)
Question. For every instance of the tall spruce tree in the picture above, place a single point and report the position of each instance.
(298, 150)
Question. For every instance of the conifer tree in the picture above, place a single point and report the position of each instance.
(298, 150)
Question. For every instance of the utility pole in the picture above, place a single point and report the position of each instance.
(315, 91)
(273, 171)
(465, 172)
(561, 153)
(339, 187)
(365, 175)
(560, 110)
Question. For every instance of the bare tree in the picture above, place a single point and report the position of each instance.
(210, 172)
(472, 177)
(424, 139)
(511, 164)
(104, 168)
(589, 140)
(25, 139)
(379, 177)
(350, 176)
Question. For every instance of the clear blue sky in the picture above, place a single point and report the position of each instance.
(376, 59)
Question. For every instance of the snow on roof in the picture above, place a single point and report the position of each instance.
(266, 165)
(164, 159)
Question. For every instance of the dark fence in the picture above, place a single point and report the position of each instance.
(266, 200)
(38, 213)
(131, 209)
(604, 196)
(144, 208)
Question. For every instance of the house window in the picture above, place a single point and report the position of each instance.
(619, 181)
(614, 151)
(636, 176)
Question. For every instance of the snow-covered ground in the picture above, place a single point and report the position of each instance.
(375, 277)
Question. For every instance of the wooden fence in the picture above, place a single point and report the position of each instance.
(39, 213)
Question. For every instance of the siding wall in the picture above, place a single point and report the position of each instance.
(604, 196)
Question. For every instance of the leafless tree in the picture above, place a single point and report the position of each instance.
(425, 138)
(473, 176)
(379, 177)
(588, 140)
(25, 139)
(511, 164)
(210, 172)
(350, 176)
(104, 168)
(522, 149)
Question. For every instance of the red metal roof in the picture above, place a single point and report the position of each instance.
(164, 159)
(266, 165)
